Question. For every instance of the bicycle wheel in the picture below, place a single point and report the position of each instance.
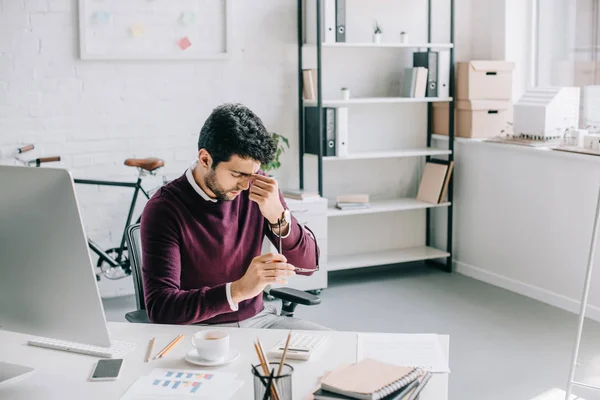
(109, 271)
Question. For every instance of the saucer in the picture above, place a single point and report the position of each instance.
(193, 357)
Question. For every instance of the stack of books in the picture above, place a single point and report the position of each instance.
(435, 180)
(299, 194)
(372, 380)
(352, 202)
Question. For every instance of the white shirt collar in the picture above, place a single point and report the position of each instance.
(190, 177)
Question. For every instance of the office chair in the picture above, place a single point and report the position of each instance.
(290, 298)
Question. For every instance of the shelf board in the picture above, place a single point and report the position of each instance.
(337, 263)
(380, 206)
(369, 155)
(387, 45)
(445, 138)
(376, 100)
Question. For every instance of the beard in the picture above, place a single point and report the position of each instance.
(220, 192)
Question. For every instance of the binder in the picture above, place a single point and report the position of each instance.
(429, 60)
(328, 21)
(408, 84)
(342, 132)
(443, 70)
(340, 20)
(421, 82)
(311, 132)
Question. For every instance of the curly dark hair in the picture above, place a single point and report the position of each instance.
(232, 129)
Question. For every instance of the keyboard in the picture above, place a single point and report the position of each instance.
(302, 346)
(116, 350)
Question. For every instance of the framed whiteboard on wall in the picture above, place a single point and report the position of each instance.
(154, 29)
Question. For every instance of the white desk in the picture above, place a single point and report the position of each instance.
(61, 375)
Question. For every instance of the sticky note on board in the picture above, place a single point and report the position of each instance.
(188, 18)
(137, 30)
(184, 43)
(101, 17)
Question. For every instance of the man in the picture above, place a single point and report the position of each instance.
(202, 233)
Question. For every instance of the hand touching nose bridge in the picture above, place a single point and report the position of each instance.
(244, 182)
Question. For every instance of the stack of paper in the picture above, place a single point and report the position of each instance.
(352, 202)
(163, 383)
(299, 194)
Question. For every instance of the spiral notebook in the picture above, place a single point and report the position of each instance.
(369, 379)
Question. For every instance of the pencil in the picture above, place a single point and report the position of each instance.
(169, 346)
(172, 346)
(264, 362)
(150, 346)
(287, 343)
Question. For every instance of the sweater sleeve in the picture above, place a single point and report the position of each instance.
(166, 302)
(299, 247)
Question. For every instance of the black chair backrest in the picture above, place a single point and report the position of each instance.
(134, 247)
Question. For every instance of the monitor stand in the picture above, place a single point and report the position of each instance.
(12, 372)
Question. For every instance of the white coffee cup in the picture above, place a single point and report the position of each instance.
(211, 345)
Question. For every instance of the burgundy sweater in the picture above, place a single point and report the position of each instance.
(191, 248)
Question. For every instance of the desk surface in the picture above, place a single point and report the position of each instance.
(59, 373)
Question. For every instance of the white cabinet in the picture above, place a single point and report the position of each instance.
(313, 214)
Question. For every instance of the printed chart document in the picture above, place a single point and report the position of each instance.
(163, 383)
(423, 351)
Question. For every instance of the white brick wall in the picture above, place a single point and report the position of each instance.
(95, 113)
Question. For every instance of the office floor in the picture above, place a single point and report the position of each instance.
(503, 346)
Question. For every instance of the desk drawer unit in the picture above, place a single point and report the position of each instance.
(313, 214)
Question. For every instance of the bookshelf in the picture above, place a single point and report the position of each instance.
(376, 100)
(337, 263)
(371, 155)
(406, 250)
(391, 45)
(381, 206)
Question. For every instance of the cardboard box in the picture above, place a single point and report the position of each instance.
(473, 119)
(484, 80)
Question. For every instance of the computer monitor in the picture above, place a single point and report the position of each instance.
(47, 281)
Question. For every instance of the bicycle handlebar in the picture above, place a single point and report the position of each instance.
(25, 149)
(39, 161)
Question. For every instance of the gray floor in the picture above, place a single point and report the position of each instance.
(503, 346)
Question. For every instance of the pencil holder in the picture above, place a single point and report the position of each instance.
(273, 385)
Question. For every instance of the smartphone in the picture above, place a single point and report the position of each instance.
(107, 369)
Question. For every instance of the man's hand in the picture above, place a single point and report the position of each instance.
(264, 270)
(265, 192)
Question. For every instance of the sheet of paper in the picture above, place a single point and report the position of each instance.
(194, 375)
(171, 383)
(148, 387)
(424, 351)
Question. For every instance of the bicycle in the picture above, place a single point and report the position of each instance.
(113, 263)
(35, 162)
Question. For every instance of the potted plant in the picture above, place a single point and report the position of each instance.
(377, 33)
(282, 145)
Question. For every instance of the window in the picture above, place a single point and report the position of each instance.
(566, 52)
(567, 43)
